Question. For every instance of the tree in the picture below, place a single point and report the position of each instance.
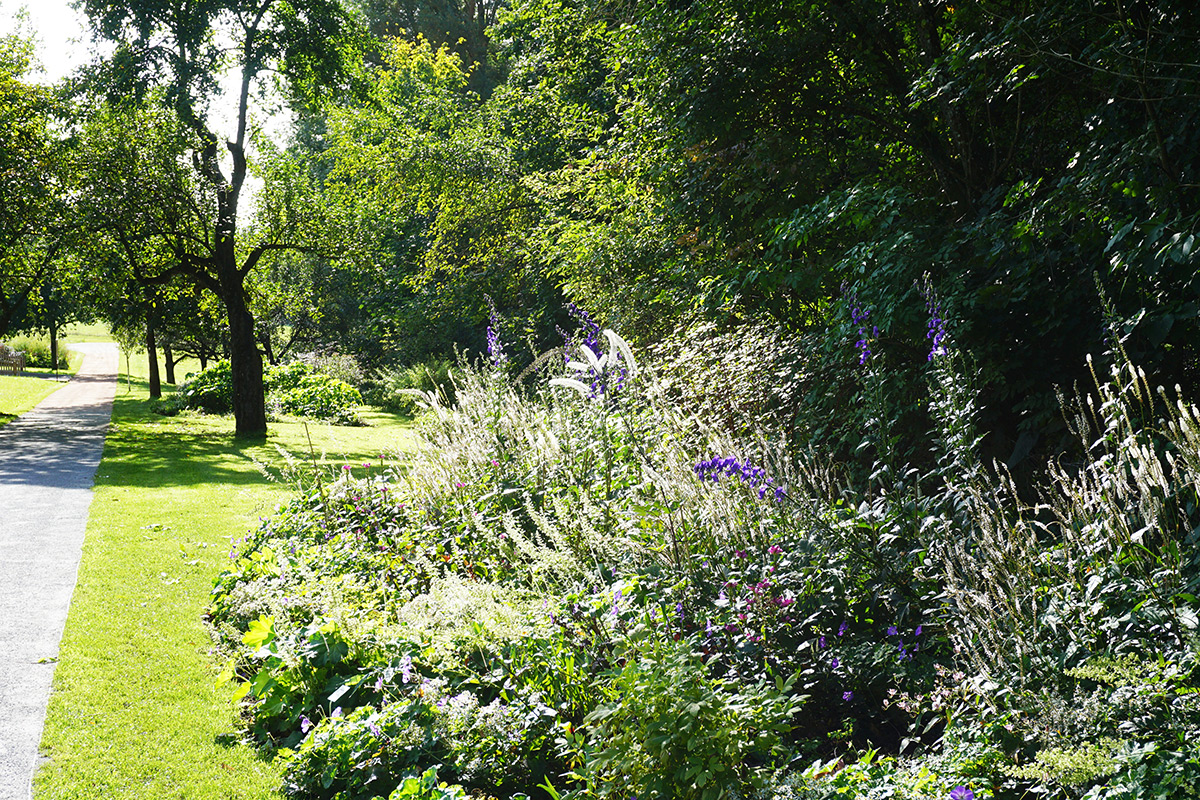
(460, 25)
(429, 196)
(183, 50)
(32, 212)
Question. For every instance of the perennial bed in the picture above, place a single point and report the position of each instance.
(574, 591)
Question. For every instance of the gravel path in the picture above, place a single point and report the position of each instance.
(48, 460)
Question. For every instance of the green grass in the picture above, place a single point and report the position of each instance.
(91, 332)
(136, 711)
(20, 393)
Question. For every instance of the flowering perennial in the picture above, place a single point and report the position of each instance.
(858, 316)
(936, 329)
(494, 345)
(588, 327)
(712, 469)
(607, 373)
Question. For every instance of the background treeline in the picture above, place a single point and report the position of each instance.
(665, 166)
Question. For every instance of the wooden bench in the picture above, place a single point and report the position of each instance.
(11, 361)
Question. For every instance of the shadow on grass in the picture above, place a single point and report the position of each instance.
(46, 375)
(148, 449)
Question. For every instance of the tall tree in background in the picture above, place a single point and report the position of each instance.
(185, 49)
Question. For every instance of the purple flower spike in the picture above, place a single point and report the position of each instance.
(843, 628)
(858, 317)
(847, 696)
(495, 347)
(936, 333)
(892, 630)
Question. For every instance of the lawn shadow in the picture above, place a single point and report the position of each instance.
(156, 451)
(151, 450)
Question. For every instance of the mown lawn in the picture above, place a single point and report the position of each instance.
(136, 711)
(20, 393)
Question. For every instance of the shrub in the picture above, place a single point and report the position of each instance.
(669, 729)
(293, 388)
(210, 390)
(37, 351)
(340, 366)
(391, 388)
(296, 388)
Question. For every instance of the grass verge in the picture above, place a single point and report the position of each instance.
(135, 711)
(20, 393)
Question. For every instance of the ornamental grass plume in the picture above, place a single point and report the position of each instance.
(606, 374)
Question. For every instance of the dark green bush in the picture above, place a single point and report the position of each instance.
(296, 388)
(210, 390)
(293, 388)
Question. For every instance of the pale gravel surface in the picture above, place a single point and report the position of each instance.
(48, 460)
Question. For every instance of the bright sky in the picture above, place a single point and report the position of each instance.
(60, 31)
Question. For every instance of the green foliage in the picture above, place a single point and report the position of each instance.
(671, 730)
(297, 388)
(294, 388)
(393, 389)
(1152, 771)
(1071, 767)
(873, 773)
(210, 390)
(34, 176)
(37, 351)
(426, 787)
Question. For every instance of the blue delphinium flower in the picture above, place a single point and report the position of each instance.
(936, 329)
(858, 317)
(756, 477)
(495, 347)
(601, 375)
(588, 327)
(937, 333)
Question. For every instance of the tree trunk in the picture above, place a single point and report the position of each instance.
(249, 402)
(152, 354)
(53, 346)
(169, 360)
